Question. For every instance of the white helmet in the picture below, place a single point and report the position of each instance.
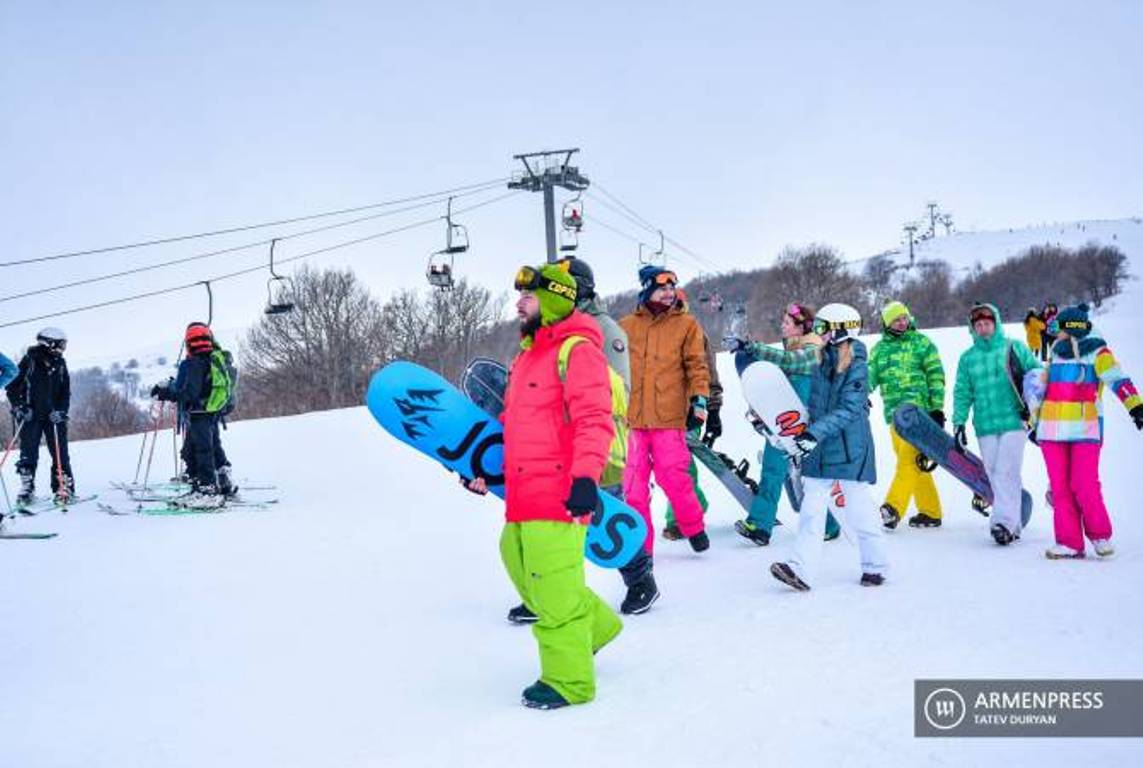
(843, 320)
(53, 338)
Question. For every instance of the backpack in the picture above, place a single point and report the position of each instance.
(223, 382)
(617, 455)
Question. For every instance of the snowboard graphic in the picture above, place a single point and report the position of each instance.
(781, 415)
(421, 409)
(733, 476)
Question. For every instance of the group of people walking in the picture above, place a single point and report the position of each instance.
(565, 417)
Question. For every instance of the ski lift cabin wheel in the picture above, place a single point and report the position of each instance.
(284, 286)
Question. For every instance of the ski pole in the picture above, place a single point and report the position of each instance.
(61, 486)
(154, 441)
(143, 446)
(12, 442)
(7, 498)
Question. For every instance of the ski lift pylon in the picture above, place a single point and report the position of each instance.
(285, 287)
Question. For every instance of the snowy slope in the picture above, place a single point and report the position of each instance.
(361, 623)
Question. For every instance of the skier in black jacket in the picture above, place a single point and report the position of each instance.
(40, 397)
(191, 390)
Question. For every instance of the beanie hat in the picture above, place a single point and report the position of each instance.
(198, 338)
(584, 277)
(1074, 320)
(892, 311)
(650, 279)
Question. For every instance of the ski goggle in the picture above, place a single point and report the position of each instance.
(532, 279)
(824, 326)
(981, 312)
(665, 278)
(59, 345)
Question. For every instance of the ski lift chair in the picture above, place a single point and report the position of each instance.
(285, 286)
(439, 272)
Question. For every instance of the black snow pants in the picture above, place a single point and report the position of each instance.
(30, 436)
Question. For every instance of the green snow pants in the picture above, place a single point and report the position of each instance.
(544, 560)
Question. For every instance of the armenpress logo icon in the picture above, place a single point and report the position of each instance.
(945, 709)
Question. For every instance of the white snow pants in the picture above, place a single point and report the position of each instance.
(1003, 457)
(852, 503)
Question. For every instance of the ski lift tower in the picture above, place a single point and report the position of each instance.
(543, 172)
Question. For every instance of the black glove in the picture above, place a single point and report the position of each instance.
(734, 344)
(1137, 416)
(713, 427)
(465, 481)
(960, 439)
(939, 417)
(1025, 414)
(584, 497)
(163, 391)
(805, 443)
(21, 413)
(58, 417)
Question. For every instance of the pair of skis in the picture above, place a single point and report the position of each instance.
(37, 507)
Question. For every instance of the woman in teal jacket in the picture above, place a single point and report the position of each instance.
(797, 334)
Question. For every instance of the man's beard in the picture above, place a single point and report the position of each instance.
(529, 326)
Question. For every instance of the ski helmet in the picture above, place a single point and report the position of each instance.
(198, 338)
(584, 277)
(843, 320)
(52, 338)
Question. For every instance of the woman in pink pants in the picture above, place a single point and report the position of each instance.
(1070, 432)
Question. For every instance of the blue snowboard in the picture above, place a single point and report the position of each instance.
(420, 408)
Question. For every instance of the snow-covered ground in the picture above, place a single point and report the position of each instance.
(361, 622)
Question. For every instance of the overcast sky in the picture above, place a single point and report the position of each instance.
(737, 127)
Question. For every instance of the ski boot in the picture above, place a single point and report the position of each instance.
(540, 695)
(979, 504)
(872, 579)
(203, 497)
(641, 595)
(1061, 552)
(27, 494)
(1002, 535)
(226, 485)
(521, 615)
(785, 574)
(700, 542)
(752, 532)
(1103, 548)
(889, 516)
(921, 520)
(672, 533)
(65, 494)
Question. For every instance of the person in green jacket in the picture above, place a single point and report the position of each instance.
(990, 381)
(906, 365)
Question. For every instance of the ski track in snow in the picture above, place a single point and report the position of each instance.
(361, 621)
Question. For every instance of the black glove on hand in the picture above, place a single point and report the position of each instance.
(584, 497)
(694, 420)
(713, 427)
(805, 443)
(21, 413)
(1137, 416)
(939, 417)
(960, 439)
(57, 417)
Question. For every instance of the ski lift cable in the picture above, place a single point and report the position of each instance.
(247, 227)
(233, 249)
(251, 270)
(639, 241)
(630, 214)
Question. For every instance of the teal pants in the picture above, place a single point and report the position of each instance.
(764, 510)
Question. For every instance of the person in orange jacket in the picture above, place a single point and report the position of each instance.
(670, 386)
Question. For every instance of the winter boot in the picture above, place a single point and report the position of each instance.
(204, 497)
(921, 520)
(27, 492)
(700, 542)
(641, 595)
(1103, 548)
(872, 579)
(1061, 552)
(226, 485)
(1002, 535)
(521, 615)
(785, 574)
(672, 533)
(889, 516)
(540, 695)
(66, 493)
(979, 504)
(752, 532)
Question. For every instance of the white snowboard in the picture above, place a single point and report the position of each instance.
(779, 410)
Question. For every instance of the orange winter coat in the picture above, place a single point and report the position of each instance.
(668, 366)
(555, 430)
(1033, 327)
